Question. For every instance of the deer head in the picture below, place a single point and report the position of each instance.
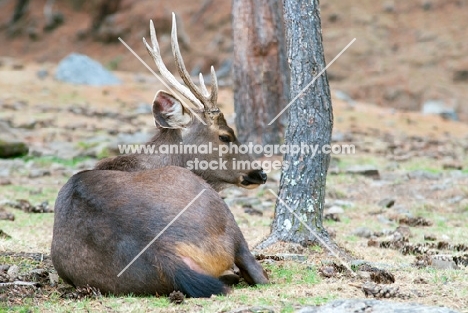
(202, 124)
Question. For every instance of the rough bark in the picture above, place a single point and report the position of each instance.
(310, 121)
(260, 69)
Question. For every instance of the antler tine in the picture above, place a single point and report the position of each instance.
(184, 74)
(156, 55)
(203, 86)
(214, 87)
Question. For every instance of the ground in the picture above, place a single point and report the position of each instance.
(421, 161)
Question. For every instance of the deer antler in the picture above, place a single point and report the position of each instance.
(155, 52)
(200, 98)
(208, 100)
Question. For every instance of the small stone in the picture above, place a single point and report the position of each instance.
(53, 279)
(35, 173)
(452, 166)
(327, 271)
(443, 264)
(363, 232)
(365, 170)
(334, 210)
(427, 5)
(386, 203)
(420, 280)
(4, 181)
(4, 235)
(13, 272)
(460, 76)
(389, 7)
(430, 237)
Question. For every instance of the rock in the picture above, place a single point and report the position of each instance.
(38, 172)
(4, 235)
(421, 174)
(13, 149)
(334, 210)
(372, 305)
(53, 279)
(344, 96)
(452, 166)
(438, 107)
(13, 272)
(386, 203)
(365, 170)
(427, 5)
(382, 219)
(4, 181)
(5, 216)
(443, 264)
(363, 232)
(143, 108)
(82, 70)
(460, 76)
(42, 73)
(389, 7)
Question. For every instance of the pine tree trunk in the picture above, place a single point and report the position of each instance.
(310, 118)
(260, 69)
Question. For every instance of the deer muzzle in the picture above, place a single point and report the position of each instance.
(253, 179)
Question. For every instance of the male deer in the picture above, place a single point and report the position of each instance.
(172, 115)
(104, 218)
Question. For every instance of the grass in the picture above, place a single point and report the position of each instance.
(44, 161)
(285, 294)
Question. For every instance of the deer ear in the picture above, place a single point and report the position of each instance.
(168, 112)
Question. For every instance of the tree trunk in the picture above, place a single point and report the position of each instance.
(260, 69)
(310, 118)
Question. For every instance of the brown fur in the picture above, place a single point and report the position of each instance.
(211, 260)
(103, 219)
(195, 134)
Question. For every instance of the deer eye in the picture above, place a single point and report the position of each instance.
(224, 138)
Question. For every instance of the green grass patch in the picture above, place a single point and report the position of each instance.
(49, 160)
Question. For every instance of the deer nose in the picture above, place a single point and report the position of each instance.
(258, 176)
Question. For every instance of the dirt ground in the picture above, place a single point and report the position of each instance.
(421, 162)
(409, 221)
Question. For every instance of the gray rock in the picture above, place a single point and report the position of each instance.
(443, 264)
(42, 73)
(372, 305)
(38, 172)
(365, 170)
(82, 70)
(382, 219)
(460, 75)
(143, 108)
(344, 96)
(438, 108)
(363, 232)
(334, 210)
(386, 203)
(421, 174)
(13, 272)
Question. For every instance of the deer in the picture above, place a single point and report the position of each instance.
(107, 216)
(177, 124)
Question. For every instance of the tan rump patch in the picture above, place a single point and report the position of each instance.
(211, 261)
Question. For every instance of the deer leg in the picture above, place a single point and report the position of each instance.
(249, 268)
